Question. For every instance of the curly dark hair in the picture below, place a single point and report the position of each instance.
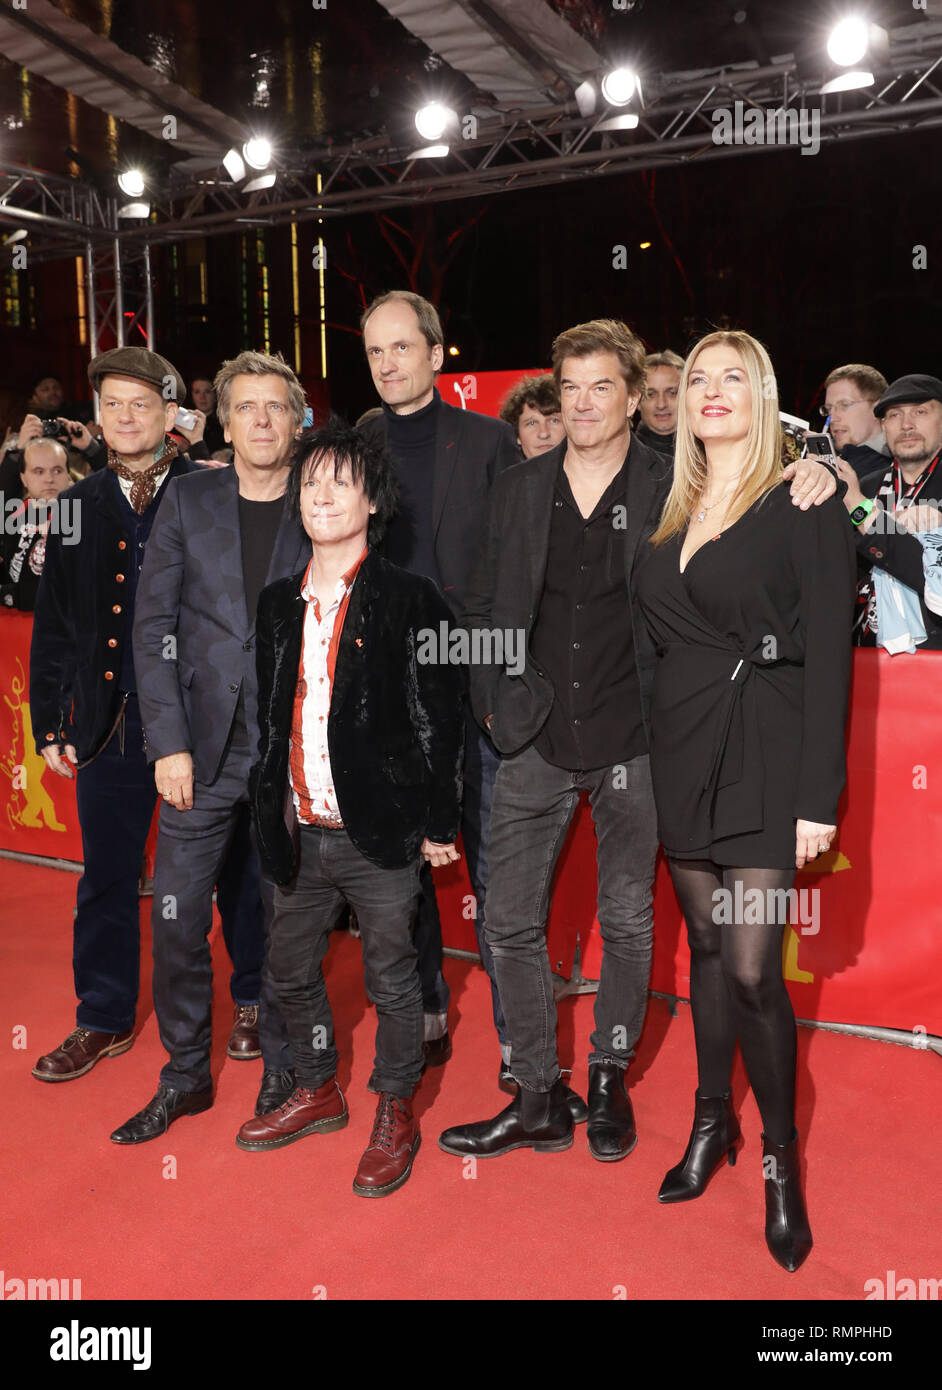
(370, 466)
(540, 392)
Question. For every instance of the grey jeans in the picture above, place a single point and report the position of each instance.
(332, 871)
(534, 804)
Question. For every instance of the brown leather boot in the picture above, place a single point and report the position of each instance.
(243, 1040)
(393, 1145)
(304, 1112)
(79, 1052)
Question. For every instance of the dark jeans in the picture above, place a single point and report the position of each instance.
(115, 797)
(481, 762)
(331, 872)
(191, 849)
(534, 803)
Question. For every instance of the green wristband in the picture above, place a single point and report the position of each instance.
(861, 512)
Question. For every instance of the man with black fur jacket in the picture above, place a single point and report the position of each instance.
(361, 721)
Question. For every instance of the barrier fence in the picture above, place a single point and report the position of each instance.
(865, 944)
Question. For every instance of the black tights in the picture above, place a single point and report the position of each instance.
(736, 986)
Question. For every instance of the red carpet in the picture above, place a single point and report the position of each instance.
(190, 1216)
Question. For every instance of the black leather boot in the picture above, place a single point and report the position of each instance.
(577, 1106)
(714, 1136)
(538, 1120)
(611, 1130)
(787, 1233)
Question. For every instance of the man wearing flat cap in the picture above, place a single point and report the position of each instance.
(221, 536)
(886, 507)
(85, 712)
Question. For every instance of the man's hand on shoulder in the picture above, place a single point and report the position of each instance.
(813, 483)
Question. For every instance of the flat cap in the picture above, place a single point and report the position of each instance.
(144, 365)
(908, 390)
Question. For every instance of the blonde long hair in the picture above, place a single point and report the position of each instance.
(763, 444)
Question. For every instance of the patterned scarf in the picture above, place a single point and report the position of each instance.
(143, 481)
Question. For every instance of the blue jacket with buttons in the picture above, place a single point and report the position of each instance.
(81, 662)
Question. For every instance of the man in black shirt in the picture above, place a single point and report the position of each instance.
(221, 535)
(565, 530)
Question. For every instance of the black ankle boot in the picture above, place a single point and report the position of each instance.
(611, 1131)
(714, 1137)
(787, 1233)
(538, 1120)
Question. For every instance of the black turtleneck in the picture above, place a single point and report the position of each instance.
(663, 443)
(410, 540)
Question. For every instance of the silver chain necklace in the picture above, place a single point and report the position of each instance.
(702, 513)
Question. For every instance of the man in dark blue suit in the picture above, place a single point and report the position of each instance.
(86, 716)
(221, 536)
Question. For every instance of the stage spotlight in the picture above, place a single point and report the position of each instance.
(234, 165)
(453, 351)
(856, 46)
(131, 182)
(430, 152)
(138, 210)
(263, 181)
(433, 120)
(848, 42)
(618, 86)
(586, 98)
(257, 153)
(628, 120)
(18, 235)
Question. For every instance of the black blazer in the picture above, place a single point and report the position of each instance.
(508, 585)
(471, 450)
(79, 613)
(396, 726)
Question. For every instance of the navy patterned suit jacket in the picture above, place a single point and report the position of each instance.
(194, 647)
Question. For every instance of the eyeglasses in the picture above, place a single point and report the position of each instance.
(825, 410)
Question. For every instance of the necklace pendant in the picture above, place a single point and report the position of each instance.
(701, 516)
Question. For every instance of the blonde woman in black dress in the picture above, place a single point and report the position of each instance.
(749, 601)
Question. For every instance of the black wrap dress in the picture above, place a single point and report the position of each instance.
(750, 690)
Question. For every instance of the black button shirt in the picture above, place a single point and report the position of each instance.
(582, 638)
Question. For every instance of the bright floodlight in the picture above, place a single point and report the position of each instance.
(257, 153)
(131, 182)
(851, 81)
(234, 165)
(430, 152)
(618, 86)
(433, 120)
(135, 210)
(262, 181)
(848, 42)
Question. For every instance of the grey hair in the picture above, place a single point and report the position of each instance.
(257, 364)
